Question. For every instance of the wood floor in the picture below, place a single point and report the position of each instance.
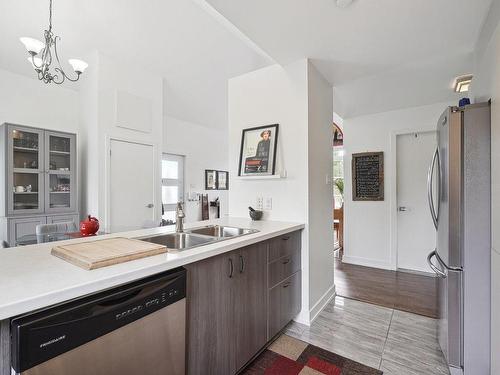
(404, 291)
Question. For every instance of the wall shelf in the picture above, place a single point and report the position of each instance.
(268, 177)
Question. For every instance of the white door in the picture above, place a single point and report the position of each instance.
(416, 236)
(132, 185)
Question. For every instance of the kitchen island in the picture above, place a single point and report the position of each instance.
(31, 278)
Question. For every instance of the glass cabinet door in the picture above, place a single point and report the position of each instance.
(60, 169)
(25, 170)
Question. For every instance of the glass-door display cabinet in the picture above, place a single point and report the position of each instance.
(39, 173)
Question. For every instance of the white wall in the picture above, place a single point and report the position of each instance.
(369, 226)
(203, 148)
(280, 95)
(320, 209)
(486, 85)
(104, 78)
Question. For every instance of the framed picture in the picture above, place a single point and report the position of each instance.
(210, 179)
(258, 151)
(222, 180)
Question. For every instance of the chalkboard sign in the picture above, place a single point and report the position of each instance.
(368, 176)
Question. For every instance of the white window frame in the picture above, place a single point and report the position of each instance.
(179, 182)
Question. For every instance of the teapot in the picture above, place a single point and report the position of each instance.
(89, 226)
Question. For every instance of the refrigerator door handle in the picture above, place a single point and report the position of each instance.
(438, 271)
(430, 183)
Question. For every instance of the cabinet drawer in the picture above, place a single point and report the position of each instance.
(283, 245)
(279, 269)
(22, 227)
(284, 304)
(62, 218)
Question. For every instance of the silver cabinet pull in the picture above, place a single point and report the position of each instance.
(402, 209)
(150, 205)
(286, 238)
(286, 285)
(286, 261)
(242, 264)
(231, 268)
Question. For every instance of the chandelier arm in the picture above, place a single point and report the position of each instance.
(56, 76)
(60, 69)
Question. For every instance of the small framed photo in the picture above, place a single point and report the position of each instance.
(258, 151)
(222, 180)
(210, 179)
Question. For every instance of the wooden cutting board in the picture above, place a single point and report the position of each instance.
(102, 253)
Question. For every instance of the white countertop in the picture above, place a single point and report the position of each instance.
(31, 278)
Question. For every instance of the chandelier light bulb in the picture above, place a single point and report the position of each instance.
(34, 46)
(79, 66)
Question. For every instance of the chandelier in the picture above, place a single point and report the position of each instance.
(42, 55)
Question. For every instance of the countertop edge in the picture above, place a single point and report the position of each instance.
(77, 291)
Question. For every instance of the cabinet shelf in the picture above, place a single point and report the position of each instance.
(26, 149)
(25, 192)
(60, 192)
(60, 152)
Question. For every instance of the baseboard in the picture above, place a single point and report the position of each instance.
(321, 304)
(417, 272)
(367, 262)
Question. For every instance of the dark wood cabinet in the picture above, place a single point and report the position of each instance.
(227, 310)
(284, 282)
(237, 301)
(211, 348)
(251, 302)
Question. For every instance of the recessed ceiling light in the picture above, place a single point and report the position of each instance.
(462, 83)
(343, 3)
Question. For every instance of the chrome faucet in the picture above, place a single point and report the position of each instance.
(179, 218)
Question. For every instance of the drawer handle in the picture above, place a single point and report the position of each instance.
(285, 238)
(242, 264)
(286, 285)
(231, 268)
(286, 261)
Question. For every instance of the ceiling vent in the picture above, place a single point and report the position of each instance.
(343, 3)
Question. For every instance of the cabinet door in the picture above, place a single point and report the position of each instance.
(60, 169)
(251, 302)
(25, 174)
(22, 227)
(211, 336)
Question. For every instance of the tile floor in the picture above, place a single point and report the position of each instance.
(396, 342)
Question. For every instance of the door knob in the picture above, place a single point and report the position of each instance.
(150, 205)
(402, 209)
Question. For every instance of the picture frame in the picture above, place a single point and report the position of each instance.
(258, 151)
(210, 179)
(222, 180)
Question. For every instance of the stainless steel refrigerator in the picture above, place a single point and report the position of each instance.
(459, 191)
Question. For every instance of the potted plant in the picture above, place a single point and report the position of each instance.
(339, 183)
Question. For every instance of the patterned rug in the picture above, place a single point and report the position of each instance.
(289, 356)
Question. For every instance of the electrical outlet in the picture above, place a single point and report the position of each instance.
(260, 203)
(268, 204)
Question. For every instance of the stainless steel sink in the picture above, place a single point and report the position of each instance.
(180, 241)
(191, 238)
(220, 231)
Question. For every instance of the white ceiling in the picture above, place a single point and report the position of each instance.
(379, 54)
(176, 39)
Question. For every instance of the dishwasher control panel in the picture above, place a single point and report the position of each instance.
(166, 297)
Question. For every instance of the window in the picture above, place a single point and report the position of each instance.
(172, 185)
(338, 175)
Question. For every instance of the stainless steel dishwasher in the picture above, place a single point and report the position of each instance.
(138, 328)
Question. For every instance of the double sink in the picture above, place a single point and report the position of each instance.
(198, 236)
